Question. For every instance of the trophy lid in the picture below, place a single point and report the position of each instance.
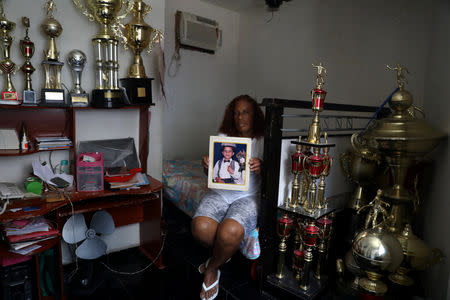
(5, 24)
(402, 130)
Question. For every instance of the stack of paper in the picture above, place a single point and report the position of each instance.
(24, 234)
(9, 140)
(135, 182)
(53, 143)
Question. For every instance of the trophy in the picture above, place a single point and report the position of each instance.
(52, 93)
(107, 93)
(402, 140)
(76, 60)
(310, 237)
(284, 231)
(7, 67)
(27, 50)
(138, 37)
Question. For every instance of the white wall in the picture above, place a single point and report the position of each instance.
(354, 39)
(203, 85)
(436, 206)
(77, 34)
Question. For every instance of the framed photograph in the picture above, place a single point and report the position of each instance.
(229, 167)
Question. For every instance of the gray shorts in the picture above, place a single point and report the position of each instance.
(243, 210)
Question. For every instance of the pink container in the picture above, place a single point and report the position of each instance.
(90, 173)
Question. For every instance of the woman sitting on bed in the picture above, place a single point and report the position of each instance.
(224, 217)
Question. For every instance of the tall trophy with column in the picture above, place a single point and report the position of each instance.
(139, 36)
(52, 93)
(27, 50)
(7, 67)
(107, 93)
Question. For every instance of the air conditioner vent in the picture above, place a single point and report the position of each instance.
(198, 32)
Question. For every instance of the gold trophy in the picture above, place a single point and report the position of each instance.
(139, 37)
(7, 67)
(107, 93)
(27, 50)
(402, 139)
(52, 93)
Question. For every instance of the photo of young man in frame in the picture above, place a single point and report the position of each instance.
(229, 164)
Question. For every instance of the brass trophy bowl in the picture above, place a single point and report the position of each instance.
(376, 251)
(417, 256)
(401, 139)
(361, 166)
(107, 93)
(139, 36)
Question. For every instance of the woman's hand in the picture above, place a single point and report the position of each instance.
(205, 161)
(255, 165)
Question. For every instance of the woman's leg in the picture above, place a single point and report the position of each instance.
(228, 239)
(240, 219)
(204, 230)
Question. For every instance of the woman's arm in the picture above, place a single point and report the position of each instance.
(205, 164)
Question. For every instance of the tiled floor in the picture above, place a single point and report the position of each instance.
(179, 280)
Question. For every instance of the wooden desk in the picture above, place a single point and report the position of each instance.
(141, 206)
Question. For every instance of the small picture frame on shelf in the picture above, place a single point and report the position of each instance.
(229, 167)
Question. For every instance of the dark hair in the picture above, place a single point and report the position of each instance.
(228, 126)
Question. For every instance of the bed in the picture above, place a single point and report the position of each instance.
(184, 184)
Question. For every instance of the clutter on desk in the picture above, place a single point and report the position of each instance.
(139, 179)
(53, 143)
(24, 234)
(90, 170)
(45, 172)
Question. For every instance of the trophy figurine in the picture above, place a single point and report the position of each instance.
(27, 50)
(52, 93)
(139, 37)
(7, 67)
(107, 93)
(76, 60)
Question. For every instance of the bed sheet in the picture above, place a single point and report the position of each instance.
(184, 184)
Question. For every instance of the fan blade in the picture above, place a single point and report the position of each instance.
(102, 222)
(91, 248)
(74, 230)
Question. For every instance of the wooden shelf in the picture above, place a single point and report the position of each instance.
(20, 153)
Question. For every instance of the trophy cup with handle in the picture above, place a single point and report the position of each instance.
(27, 50)
(107, 93)
(52, 93)
(7, 67)
(139, 36)
(76, 59)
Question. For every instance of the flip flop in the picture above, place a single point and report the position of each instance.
(215, 283)
(205, 265)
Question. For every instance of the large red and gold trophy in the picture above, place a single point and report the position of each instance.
(314, 165)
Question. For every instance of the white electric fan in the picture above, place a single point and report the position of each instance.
(75, 230)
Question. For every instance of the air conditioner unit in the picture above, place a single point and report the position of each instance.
(198, 32)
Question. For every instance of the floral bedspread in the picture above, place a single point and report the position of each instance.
(184, 183)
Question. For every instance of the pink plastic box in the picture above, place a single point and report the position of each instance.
(90, 173)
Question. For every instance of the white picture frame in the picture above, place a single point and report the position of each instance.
(232, 175)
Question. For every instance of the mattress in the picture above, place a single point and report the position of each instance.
(184, 184)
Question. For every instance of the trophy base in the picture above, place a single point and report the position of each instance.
(108, 98)
(29, 98)
(79, 100)
(139, 90)
(53, 97)
(9, 96)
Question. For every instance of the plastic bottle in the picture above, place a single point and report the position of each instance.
(64, 166)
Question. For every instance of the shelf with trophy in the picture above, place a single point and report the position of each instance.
(385, 255)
